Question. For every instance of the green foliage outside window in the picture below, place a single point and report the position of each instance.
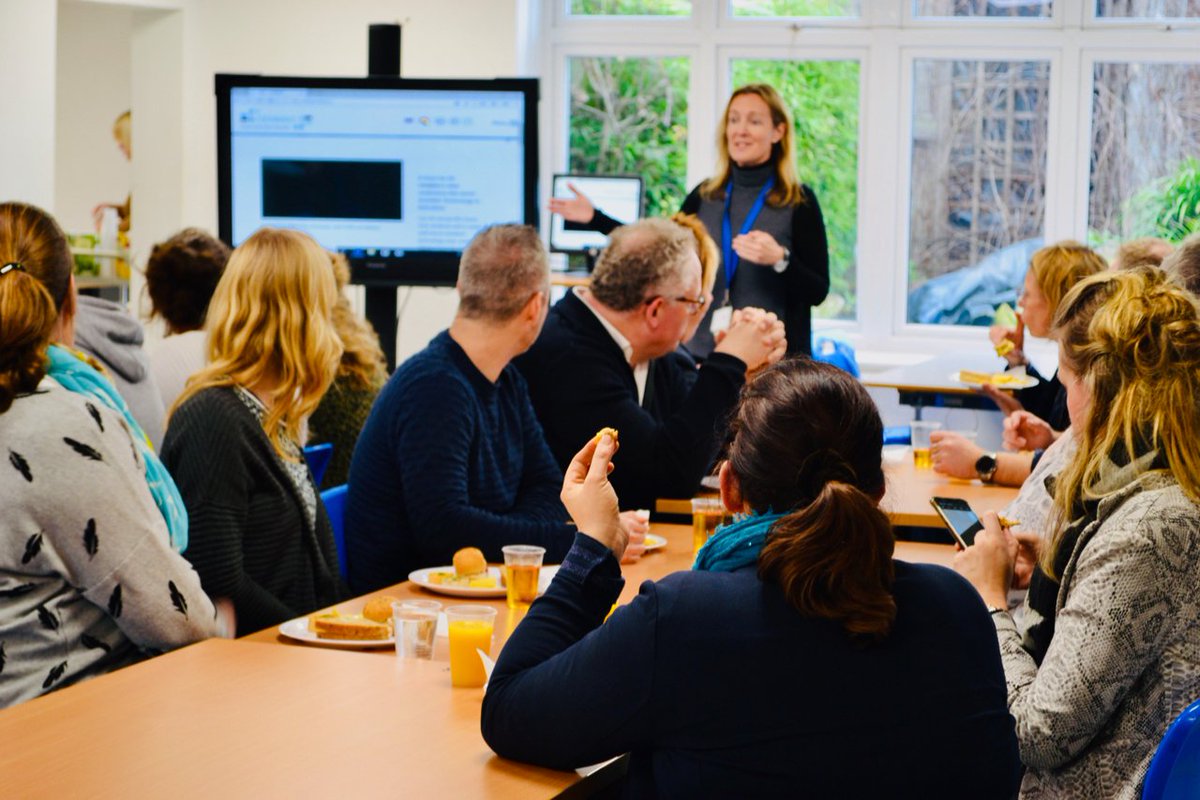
(1169, 208)
(647, 8)
(823, 99)
(795, 8)
(629, 116)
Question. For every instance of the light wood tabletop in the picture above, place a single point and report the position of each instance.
(936, 374)
(908, 492)
(249, 718)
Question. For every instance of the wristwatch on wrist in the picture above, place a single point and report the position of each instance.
(781, 264)
(985, 467)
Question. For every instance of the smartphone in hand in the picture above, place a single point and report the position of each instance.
(959, 518)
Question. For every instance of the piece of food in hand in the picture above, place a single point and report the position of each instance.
(1007, 522)
(1005, 347)
(351, 627)
(469, 561)
(379, 608)
(600, 435)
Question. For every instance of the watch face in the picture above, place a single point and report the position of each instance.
(985, 464)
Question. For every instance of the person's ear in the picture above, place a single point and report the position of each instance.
(777, 136)
(532, 310)
(70, 302)
(731, 491)
(653, 311)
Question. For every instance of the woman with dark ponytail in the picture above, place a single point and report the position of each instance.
(796, 658)
(88, 579)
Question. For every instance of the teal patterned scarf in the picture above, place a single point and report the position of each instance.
(737, 544)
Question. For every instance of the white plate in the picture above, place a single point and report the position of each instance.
(653, 542)
(711, 482)
(1023, 383)
(298, 629)
(421, 578)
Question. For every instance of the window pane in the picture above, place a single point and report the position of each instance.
(1148, 9)
(823, 99)
(640, 8)
(1145, 179)
(795, 8)
(977, 192)
(983, 8)
(629, 116)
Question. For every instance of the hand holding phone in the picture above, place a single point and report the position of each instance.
(959, 518)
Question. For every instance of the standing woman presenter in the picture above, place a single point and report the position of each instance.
(768, 224)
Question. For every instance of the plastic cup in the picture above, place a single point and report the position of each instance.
(707, 514)
(920, 442)
(522, 568)
(471, 628)
(415, 624)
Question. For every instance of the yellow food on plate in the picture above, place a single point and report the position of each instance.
(351, 627)
(600, 435)
(480, 581)
(469, 561)
(1005, 347)
(379, 609)
(312, 619)
(994, 378)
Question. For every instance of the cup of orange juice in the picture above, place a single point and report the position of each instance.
(470, 628)
(522, 567)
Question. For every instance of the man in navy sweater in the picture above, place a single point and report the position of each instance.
(608, 357)
(452, 455)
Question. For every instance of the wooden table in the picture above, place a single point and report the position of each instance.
(251, 718)
(908, 491)
(931, 382)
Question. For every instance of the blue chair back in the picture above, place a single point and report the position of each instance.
(335, 506)
(317, 457)
(1174, 773)
(836, 352)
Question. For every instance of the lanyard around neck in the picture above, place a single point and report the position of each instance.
(730, 258)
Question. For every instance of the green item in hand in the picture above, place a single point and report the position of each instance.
(1005, 316)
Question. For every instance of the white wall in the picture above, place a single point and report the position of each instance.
(93, 87)
(447, 38)
(27, 86)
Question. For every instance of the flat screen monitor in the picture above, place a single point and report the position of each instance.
(618, 196)
(397, 174)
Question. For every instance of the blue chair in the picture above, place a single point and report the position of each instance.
(335, 506)
(897, 434)
(835, 351)
(1174, 773)
(317, 457)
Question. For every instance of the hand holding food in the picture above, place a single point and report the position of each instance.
(590, 498)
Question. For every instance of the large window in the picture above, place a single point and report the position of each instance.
(977, 192)
(946, 139)
(1145, 177)
(629, 116)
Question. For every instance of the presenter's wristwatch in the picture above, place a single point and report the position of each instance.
(782, 264)
(985, 467)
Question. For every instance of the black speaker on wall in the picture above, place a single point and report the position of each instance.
(383, 51)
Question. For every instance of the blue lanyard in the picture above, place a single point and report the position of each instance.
(730, 258)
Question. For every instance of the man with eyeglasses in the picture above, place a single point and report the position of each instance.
(607, 356)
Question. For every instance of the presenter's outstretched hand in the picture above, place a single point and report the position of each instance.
(573, 209)
(589, 497)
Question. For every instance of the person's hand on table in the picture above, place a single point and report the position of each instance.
(988, 564)
(759, 247)
(1026, 431)
(1003, 400)
(636, 525)
(589, 497)
(573, 209)
(953, 454)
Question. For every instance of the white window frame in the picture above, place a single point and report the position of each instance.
(886, 40)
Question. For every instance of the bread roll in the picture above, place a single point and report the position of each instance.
(379, 609)
(469, 561)
(600, 435)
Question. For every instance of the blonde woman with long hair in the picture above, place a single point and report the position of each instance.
(768, 225)
(1108, 650)
(259, 534)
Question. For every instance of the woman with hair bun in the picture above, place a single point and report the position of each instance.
(796, 658)
(1108, 650)
(260, 535)
(88, 580)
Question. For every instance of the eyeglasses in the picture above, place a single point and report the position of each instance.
(695, 305)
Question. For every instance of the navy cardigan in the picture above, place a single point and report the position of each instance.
(719, 688)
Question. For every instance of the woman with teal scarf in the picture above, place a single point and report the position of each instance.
(796, 658)
(48, 258)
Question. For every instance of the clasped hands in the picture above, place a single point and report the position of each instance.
(755, 336)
